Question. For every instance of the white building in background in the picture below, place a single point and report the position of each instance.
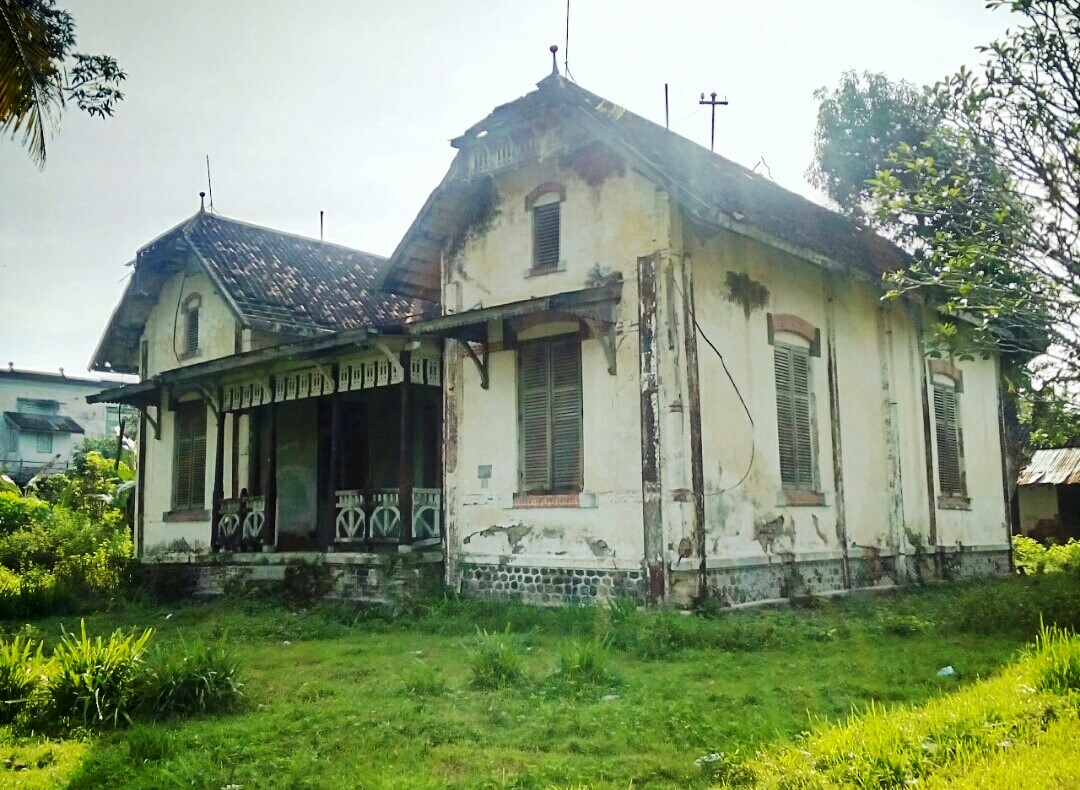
(44, 418)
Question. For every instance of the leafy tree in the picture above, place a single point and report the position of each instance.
(40, 72)
(979, 178)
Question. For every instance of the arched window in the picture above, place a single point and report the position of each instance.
(545, 203)
(192, 306)
(948, 382)
(795, 341)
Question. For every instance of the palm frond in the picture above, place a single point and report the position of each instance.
(30, 82)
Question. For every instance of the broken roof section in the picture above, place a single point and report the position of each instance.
(714, 192)
(274, 281)
(1052, 467)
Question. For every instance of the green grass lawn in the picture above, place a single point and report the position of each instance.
(332, 699)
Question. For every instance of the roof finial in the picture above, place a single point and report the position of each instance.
(202, 202)
(554, 63)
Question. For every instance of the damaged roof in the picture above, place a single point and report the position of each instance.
(1052, 467)
(43, 423)
(712, 190)
(274, 281)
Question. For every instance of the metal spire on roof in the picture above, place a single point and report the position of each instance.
(554, 63)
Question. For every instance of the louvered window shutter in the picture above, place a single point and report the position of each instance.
(191, 331)
(550, 415)
(566, 426)
(794, 428)
(190, 472)
(950, 477)
(546, 236)
(535, 416)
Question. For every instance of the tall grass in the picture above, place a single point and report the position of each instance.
(192, 678)
(22, 672)
(903, 746)
(496, 660)
(97, 681)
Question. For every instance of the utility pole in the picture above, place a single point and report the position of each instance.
(713, 103)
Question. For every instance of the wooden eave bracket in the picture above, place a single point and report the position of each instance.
(214, 402)
(604, 331)
(155, 422)
(480, 362)
(395, 360)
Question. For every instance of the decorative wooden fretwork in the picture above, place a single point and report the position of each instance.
(426, 512)
(255, 517)
(386, 517)
(351, 520)
(229, 520)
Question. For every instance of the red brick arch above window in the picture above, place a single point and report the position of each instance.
(793, 325)
(948, 369)
(547, 188)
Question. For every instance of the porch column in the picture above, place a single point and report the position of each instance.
(269, 472)
(327, 526)
(405, 465)
(219, 473)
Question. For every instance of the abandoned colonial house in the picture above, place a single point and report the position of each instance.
(602, 362)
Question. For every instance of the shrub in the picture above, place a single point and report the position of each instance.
(17, 511)
(496, 661)
(22, 672)
(97, 681)
(194, 678)
(1031, 557)
(421, 680)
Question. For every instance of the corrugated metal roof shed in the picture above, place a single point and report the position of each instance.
(1052, 467)
(43, 423)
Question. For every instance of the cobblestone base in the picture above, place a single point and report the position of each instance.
(550, 585)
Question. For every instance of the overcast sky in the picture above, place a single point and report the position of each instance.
(348, 107)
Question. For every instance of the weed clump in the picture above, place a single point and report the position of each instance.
(196, 678)
(496, 661)
(99, 683)
(422, 680)
(96, 682)
(1055, 660)
(21, 670)
(583, 667)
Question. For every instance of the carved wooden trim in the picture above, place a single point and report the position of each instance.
(948, 369)
(547, 188)
(792, 324)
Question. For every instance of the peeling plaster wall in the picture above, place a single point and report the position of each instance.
(217, 338)
(886, 505)
(605, 228)
(751, 520)
(165, 323)
(157, 476)
(985, 523)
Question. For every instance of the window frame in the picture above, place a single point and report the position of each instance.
(39, 440)
(558, 429)
(948, 449)
(187, 417)
(803, 340)
(190, 339)
(545, 200)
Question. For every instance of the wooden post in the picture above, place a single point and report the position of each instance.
(269, 470)
(219, 475)
(235, 471)
(327, 527)
(405, 466)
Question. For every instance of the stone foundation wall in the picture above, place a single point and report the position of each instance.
(541, 585)
(367, 579)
